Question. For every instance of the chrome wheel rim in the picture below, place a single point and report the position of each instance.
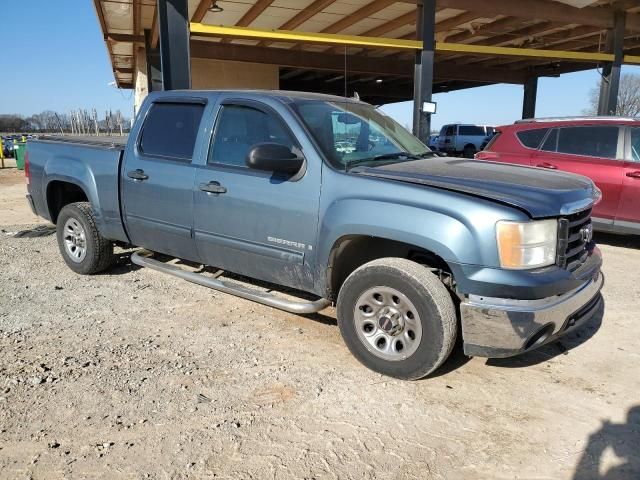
(387, 323)
(75, 241)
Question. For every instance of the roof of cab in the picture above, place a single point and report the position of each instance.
(283, 94)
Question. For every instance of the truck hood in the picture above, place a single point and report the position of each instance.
(540, 193)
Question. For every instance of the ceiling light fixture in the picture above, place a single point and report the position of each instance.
(215, 8)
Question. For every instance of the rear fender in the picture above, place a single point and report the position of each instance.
(74, 171)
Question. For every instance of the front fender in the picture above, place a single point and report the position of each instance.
(443, 235)
(458, 228)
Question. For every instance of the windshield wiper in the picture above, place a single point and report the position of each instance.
(385, 156)
(429, 154)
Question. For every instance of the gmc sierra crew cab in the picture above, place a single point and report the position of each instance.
(413, 249)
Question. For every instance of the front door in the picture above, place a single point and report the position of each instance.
(157, 179)
(628, 217)
(594, 151)
(252, 222)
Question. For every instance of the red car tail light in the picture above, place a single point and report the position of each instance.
(27, 173)
(486, 155)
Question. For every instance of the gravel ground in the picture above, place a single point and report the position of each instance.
(133, 374)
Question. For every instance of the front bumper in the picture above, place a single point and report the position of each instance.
(499, 327)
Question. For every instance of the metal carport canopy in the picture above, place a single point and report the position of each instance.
(477, 42)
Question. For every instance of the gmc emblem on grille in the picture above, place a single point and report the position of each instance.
(586, 233)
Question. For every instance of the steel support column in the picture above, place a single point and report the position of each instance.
(423, 70)
(610, 84)
(154, 70)
(173, 22)
(530, 97)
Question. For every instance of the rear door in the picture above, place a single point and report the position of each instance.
(628, 216)
(158, 175)
(259, 224)
(595, 151)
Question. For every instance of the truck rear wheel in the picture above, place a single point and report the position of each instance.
(397, 318)
(469, 151)
(84, 250)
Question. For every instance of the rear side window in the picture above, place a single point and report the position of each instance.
(532, 138)
(170, 130)
(589, 141)
(471, 130)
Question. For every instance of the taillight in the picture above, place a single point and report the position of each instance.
(486, 155)
(27, 173)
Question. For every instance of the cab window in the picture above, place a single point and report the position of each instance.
(239, 129)
(170, 130)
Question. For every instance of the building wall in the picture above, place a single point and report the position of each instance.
(213, 74)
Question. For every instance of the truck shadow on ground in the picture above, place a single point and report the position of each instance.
(623, 439)
(563, 346)
(626, 241)
(123, 265)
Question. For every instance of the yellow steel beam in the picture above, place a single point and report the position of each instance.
(523, 52)
(305, 37)
(397, 44)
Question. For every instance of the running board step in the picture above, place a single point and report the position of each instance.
(144, 258)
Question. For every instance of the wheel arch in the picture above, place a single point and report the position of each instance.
(354, 250)
(60, 193)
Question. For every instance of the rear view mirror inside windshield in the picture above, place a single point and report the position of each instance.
(348, 119)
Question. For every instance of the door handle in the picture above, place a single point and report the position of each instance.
(212, 187)
(635, 174)
(547, 165)
(137, 175)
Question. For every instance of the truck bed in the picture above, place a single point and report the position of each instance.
(92, 164)
(118, 142)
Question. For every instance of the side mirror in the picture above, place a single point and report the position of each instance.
(274, 157)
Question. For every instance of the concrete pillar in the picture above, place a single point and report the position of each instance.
(140, 81)
(423, 70)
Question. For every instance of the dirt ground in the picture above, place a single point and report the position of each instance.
(132, 374)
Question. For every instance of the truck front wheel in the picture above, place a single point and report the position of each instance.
(397, 318)
(84, 250)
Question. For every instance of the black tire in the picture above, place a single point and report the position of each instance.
(431, 299)
(469, 151)
(98, 254)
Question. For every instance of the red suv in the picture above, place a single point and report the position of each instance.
(605, 149)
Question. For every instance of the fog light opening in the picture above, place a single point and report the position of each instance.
(539, 337)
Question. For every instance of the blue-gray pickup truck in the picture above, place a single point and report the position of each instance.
(329, 198)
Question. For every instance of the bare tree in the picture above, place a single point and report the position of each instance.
(628, 97)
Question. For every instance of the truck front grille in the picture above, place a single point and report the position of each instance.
(575, 241)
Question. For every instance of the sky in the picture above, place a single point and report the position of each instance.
(55, 59)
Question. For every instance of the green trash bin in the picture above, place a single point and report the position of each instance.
(20, 149)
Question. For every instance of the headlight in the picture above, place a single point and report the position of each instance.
(523, 245)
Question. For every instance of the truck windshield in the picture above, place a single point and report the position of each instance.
(351, 134)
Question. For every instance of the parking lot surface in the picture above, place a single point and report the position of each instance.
(133, 374)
